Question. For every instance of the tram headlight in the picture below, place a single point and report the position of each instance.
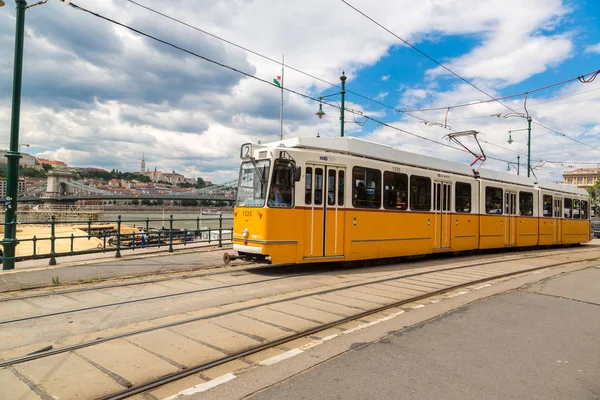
(245, 233)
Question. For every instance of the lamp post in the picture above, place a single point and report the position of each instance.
(321, 113)
(528, 118)
(518, 164)
(13, 155)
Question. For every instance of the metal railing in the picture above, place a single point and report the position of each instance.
(116, 236)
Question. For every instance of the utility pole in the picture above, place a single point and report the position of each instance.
(528, 146)
(343, 93)
(518, 164)
(13, 155)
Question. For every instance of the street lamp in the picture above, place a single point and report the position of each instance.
(321, 113)
(13, 155)
(512, 163)
(528, 118)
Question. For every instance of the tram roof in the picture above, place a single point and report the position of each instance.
(368, 149)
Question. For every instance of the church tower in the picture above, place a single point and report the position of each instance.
(143, 164)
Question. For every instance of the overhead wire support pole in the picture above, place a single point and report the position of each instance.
(281, 109)
(13, 155)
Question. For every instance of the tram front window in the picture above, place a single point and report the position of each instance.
(252, 186)
(282, 185)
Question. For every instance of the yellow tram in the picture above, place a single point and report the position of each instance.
(308, 200)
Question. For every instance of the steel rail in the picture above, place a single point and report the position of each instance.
(199, 368)
(195, 291)
(61, 350)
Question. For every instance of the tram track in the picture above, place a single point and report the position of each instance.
(448, 283)
(216, 288)
(246, 352)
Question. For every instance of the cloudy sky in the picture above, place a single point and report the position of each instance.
(95, 94)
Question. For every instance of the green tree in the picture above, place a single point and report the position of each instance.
(200, 183)
(47, 167)
(146, 202)
(135, 202)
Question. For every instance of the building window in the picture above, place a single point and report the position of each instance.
(493, 200)
(420, 193)
(366, 187)
(547, 207)
(395, 191)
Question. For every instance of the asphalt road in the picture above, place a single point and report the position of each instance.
(541, 342)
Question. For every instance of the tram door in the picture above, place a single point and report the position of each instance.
(510, 218)
(442, 193)
(326, 219)
(557, 220)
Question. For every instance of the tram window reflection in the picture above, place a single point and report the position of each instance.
(341, 189)
(318, 186)
(576, 208)
(331, 187)
(493, 200)
(395, 191)
(308, 186)
(420, 193)
(526, 203)
(547, 206)
(282, 185)
(462, 198)
(568, 212)
(366, 187)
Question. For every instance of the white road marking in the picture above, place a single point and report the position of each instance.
(281, 357)
(456, 294)
(484, 286)
(418, 306)
(203, 386)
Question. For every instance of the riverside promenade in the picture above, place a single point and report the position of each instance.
(101, 266)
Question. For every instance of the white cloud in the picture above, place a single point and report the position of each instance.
(381, 96)
(100, 96)
(593, 49)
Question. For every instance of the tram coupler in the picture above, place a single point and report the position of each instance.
(227, 258)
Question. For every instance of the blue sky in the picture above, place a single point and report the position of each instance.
(98, 95)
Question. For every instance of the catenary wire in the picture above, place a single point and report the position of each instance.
(378, 122)
(465, 80)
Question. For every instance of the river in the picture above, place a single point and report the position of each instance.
(181, 219)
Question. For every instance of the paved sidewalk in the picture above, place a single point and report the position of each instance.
(539, 342)
(93, 267)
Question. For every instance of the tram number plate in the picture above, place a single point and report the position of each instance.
(396, 169)
(247, 213)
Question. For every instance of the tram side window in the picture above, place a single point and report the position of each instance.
(366, 187)
(331, 187)
(395, 191)
(547, 206)
(420, 193)
(576, 208)
(568, 208)
(308, 186)
(526, 203)
(584, 210)
(493, 200)
(341, 188)
(318, 186)
(282, 185)
(462, 197)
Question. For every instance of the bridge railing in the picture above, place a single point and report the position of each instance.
(56, 238)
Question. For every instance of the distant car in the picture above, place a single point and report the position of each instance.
(596, 228)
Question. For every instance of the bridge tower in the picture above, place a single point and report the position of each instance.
(57, 183)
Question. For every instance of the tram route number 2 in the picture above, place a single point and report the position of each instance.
(247, 213)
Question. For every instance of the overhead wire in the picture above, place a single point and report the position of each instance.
(581, 79)
(167, 43)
